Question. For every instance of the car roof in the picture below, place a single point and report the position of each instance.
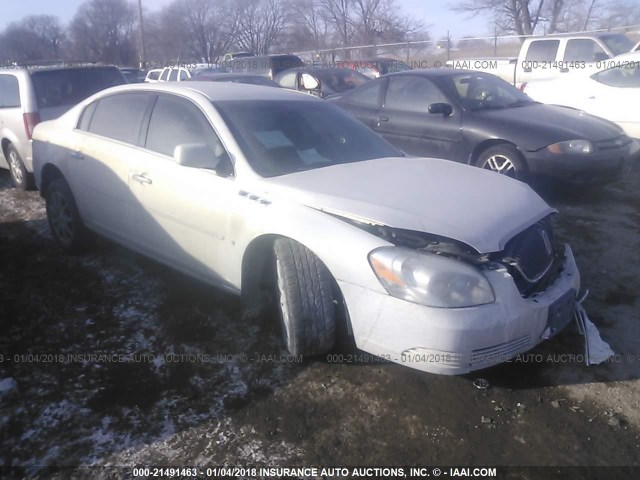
(436, 72)
(574, 35)
(219, 91)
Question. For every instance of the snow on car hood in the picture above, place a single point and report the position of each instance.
(480, 208)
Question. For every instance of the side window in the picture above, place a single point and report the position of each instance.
(9, 92)
(583, 50)
(164, 75)
(366, 96)
(120, 116)
(624, 76)
(288, 80)
(173, 75)
(183, 75)
(543, 50)
(412, 94)
(87, 114)
(176, 121)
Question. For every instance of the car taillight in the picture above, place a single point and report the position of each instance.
(30, 121)
(522, 86)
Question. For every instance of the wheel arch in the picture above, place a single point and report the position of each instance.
(50, 172)
(257, 274)
(489, 143)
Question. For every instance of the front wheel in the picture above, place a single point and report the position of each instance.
(305, 299)
(64, 220)
(505, 160)
(20, 177)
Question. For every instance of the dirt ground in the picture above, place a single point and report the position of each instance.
(111, 359)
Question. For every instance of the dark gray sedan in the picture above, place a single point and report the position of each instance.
(479, 119)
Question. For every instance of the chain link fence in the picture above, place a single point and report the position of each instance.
(434, 53)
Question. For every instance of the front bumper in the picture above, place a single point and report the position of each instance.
(456, 340)
(598, 167)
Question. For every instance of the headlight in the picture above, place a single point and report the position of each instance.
(430, 279)
(571, 146)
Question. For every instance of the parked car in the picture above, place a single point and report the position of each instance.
(551, 56)
(230, 56)
(133, 75)
(251, 188)
(153, 75)
(180, 73)
(29, 95)
(246, 78)
(479, 119)
(612, 92)
(374, 67)
(322, 82)
(266, 65)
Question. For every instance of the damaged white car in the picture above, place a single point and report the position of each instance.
(436, 265)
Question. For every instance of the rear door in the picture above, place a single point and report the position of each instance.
(405, 120)
(11, 120)
(181, 213)
(540, 61)
(100, 162)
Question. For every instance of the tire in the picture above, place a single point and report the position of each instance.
(304, 292)
(20, 177)
(504, 159)
(64, 220)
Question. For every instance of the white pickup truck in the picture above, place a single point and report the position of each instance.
(550, 56)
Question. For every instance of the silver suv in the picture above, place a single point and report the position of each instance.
(31, 95)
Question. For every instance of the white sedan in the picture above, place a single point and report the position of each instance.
(612, 92)
(439, 266)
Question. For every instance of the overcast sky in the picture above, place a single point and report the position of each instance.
(435, 13)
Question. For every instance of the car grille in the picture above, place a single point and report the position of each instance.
(531, 257)
(612, 143)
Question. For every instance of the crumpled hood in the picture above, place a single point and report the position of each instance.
(478, 207)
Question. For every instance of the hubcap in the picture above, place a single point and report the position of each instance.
(500, 164)
(60, 218)
(284, 304)
(15, 166)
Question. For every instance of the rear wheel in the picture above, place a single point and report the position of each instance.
(21, 178)
(504, 159)
(304, 289)
(64, 220)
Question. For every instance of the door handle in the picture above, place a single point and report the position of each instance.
(564, 69)
(140, 178)
(77, 155)
(383, 118)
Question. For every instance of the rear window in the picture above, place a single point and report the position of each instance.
(543, 50)
(57, 88)
(618, 44)
(9, 92)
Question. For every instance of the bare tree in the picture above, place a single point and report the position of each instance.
(312, 22)
(36, 37)
(102, 30)
(199, 30)
(260, 24)
(518, 16)
(339, 15)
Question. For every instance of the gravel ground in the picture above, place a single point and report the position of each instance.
(111, 359)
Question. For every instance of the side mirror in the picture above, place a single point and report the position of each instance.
(441, 108)
(309, 82)
(196, 155)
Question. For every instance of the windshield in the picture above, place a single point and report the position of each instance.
(281, 137)
(477, 91)
(340, 80)
(618, 44)
(56, 88)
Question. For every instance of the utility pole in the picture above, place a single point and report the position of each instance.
(143, 58)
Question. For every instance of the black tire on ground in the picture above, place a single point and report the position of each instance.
(504, 159)
(305, 300)
(64, 220)
(20, 177)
